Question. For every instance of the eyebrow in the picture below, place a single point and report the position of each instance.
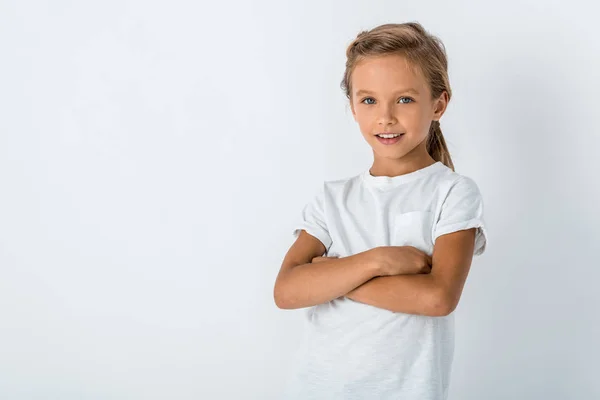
(408, 90)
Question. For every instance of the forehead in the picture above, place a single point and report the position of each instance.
(386, 74)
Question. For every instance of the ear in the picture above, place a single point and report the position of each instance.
(440, 105)
(352, 109)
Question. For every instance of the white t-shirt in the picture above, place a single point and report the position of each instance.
(352, 350)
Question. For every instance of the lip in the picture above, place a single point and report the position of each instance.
(389, 141)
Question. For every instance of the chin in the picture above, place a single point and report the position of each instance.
(393, 154)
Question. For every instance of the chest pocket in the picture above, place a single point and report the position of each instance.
(415, 229)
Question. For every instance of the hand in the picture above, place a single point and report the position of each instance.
(398, 260)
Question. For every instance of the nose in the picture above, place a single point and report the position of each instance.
(386, 117)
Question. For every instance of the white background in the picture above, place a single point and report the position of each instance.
(155, 157)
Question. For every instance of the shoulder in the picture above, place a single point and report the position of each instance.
(328, 190)
(455, 183)
(461, 207)
(341, 184)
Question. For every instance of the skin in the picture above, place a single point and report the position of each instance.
(387, 107)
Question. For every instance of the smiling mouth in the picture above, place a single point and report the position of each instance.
(389, 139)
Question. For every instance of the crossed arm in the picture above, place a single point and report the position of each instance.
(302, 284)
(436, 293)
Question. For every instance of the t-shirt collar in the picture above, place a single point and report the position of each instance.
(384, 182)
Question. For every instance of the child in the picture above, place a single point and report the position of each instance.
(399, 237)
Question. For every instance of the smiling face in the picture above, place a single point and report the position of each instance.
(388, 96)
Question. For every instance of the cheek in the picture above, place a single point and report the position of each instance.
(362, 119)
(366, 116)
(415, 118)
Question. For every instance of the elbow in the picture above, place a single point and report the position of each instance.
(281, 297)
(442, 304)
(286, 292)
(278, 297)
(281, 302)
(284, 304)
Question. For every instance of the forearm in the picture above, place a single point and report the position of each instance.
(311, 284)
(411, 294)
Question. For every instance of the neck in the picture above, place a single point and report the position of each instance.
(394, 167)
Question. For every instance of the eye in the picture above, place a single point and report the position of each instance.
(410, 100)
(366, 98)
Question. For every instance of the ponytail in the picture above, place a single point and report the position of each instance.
(436, 145)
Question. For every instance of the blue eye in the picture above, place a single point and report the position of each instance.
(370, 98)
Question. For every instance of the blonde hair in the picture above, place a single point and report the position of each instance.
(422, 50)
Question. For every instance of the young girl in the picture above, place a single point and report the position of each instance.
(399, 237)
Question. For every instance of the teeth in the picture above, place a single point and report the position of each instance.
(393, 135)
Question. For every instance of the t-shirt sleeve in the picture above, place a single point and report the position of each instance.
(463, 209)
(312, 219)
